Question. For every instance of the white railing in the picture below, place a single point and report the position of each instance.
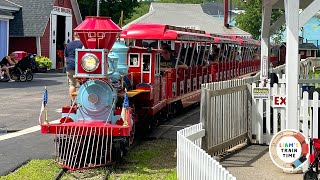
(268, 118)
(193, 163)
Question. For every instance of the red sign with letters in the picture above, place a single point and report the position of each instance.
(279, 101)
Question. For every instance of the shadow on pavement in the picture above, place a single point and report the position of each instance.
(33, 83)
(245, 157)
(40, 79)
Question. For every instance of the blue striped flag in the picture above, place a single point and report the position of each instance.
(44, 104)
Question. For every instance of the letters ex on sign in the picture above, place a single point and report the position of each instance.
(279, 101)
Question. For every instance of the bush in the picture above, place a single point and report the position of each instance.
(43, 62)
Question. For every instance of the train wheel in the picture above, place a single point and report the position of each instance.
(155, 122)
(118, 151)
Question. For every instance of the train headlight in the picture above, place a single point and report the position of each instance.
(89, 62)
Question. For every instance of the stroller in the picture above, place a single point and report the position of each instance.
(23, 70)
(313, 170)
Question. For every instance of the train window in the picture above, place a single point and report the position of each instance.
(130, 42)
(169, 43)
(146, 62)
(150, 44)
(134, 60)
(157, 64)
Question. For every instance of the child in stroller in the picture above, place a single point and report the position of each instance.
(24, 68)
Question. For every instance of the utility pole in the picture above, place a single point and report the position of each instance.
(98, 7)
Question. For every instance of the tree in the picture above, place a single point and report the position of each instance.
(137, 12)
(111, 8)
(251, 19)
(184, 1)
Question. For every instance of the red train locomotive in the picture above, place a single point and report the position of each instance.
(124, 84)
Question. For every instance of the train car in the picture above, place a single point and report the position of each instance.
(125, 86)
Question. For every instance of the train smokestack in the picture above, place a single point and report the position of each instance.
(98, 32)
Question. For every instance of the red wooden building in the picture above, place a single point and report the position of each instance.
(43, 27)
(305, 50)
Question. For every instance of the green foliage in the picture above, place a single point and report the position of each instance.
(138, 11)
(251, 19)
(111, 8)
(35, 170)
(43, 62)
(150, 160)
(184, 1)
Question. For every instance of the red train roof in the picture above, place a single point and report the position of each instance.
(164, 32)
(241, 40)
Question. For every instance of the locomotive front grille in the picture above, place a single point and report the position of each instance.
(83, 148)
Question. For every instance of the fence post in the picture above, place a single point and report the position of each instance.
(248, 102)
(305, 120)
(203, 115)
(267, 138)
(315, 123)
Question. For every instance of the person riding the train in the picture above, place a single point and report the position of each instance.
(169, 61)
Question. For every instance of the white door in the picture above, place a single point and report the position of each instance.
(68, 36)
(53, 43)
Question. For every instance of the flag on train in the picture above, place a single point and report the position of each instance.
(125, 112)
(44, 104)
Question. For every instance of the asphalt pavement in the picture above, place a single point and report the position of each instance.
(19, 109)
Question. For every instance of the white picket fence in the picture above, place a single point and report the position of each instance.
(268, 118)
(229, 115)
(193, 163)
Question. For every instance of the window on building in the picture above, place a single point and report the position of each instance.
(308, 52)
(302, 53)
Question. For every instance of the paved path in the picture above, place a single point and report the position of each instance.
(20, 107)
(255, 163)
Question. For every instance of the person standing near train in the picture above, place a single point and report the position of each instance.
(6, 63)
(69, 54)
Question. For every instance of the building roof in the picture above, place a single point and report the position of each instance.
(7, 8)
(217, 8)
(308, 46)
(8, 5)
(32, 18)
(185, 15)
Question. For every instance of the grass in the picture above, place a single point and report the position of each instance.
(35, 170)
(152, 160)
